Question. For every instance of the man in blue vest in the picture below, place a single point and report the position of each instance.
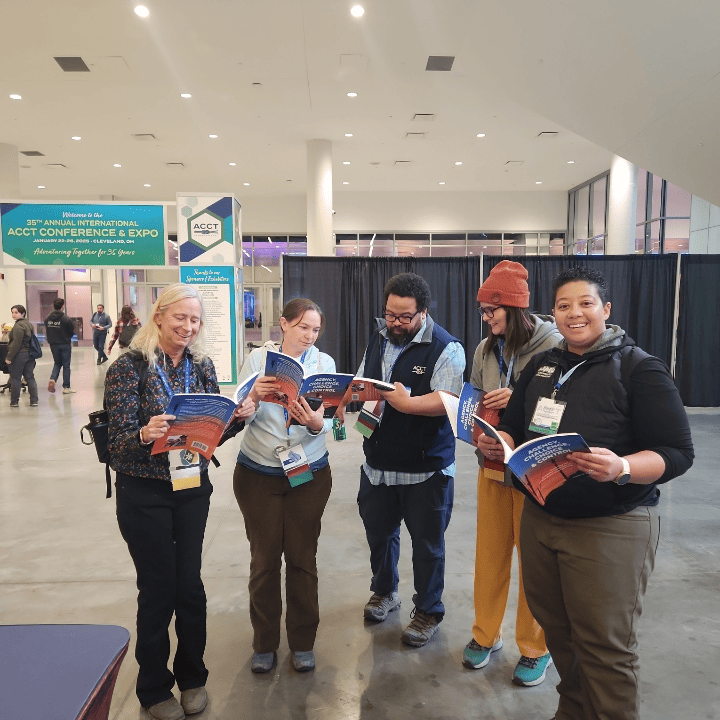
(410, 456)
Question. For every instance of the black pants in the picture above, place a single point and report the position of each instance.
(164, 531)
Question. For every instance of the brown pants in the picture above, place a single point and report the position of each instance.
(282, 520)
(585, 580)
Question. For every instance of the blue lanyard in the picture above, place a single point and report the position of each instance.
(302, 362)
(501, 361)
(565, 376)
(166, 381)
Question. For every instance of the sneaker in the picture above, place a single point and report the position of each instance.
(378, 606)
(51, 385)
(477, 656)
(194, 701)
(421, 628)
(262, 662)
(531, 671)
(14, 405)
(68, 391)
(99, 362)
(167, 710)
(303, 661)
(34, 404)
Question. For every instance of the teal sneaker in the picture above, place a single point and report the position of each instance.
(476, 656)
(531, 671)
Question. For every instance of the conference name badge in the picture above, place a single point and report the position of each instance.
(367, 421)
(184, 469)
(547, 416)
(295, 465)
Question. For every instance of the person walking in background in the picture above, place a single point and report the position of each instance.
(59, 331)
(125, 328)
(410, 456)
(101, 323)
(514, 336)
(18, 358)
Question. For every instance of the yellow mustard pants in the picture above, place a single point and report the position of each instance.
(498, 531)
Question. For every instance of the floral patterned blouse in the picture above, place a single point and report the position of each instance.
(122, 400)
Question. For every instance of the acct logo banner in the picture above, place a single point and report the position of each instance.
(208, 228)
(87, 234)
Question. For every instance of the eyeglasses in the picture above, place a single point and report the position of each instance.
(488, 312)
(402, 319)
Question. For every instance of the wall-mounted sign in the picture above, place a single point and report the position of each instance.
(208, 228)
(88, 234)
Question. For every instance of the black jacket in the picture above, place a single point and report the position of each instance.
(59, 328)
(646, 415)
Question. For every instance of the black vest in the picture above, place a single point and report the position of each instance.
(402, 442)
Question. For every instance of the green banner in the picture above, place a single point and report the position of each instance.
(87, 234)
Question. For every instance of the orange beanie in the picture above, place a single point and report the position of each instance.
(506, 285)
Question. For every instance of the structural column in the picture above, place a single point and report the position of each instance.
(622, 207)
(319, 198)
(9, 172)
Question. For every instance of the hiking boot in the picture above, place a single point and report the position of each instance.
(531, 671)
(378, 606)
(193, 701)
(421, 628)
(51, 385)
(303, 661)
(477, 656)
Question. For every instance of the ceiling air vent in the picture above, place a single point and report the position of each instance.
(403, 163)
(144, 137)
(415, 136)
(32, 153)
(423, 117)
(440, 63)
(549, 135)
(56, 166)
(175, 166)
(72, 64)
(514, 163)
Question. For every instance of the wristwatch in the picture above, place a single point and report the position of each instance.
(624, 477)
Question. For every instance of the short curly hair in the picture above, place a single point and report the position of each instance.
(582, 273)
(408, 285)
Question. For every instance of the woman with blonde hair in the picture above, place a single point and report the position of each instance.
(161, 515)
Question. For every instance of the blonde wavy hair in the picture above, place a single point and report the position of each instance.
(147, 338)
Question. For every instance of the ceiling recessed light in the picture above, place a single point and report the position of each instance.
(346, 162)
(232, 164)
(480, 135)
(352, 94)
(185, 95)
(357, 11)
(16, 97)
(570, 162)
(458, 162)
(146, 185)
(117, 165)
(538, 182)
(246, 183)
(41, 187)
(76, 137)
(212, 136)
(346, 183)
(348, 134)
(442, 183)
(141, 11)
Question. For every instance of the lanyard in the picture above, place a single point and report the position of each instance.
(565, 376)
(166, 382)
(501, 362)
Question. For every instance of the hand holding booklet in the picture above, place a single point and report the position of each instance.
(200, 421)
(540, 464)
(461, 411)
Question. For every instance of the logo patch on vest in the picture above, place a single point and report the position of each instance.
(545, 371)
(419, 369)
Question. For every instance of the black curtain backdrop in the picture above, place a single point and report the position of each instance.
(642, 292)
(350, 293)
(698, 342)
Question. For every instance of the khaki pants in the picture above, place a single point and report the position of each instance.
(498, 532)
(585, 581)
(282, 521)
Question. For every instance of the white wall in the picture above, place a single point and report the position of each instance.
(12, 292)
(704, 226)
(413, 212)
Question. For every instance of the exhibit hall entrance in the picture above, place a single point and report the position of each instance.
(261, 313)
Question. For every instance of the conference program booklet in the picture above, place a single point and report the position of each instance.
(460, 411)
(540, 464)
(364, 389)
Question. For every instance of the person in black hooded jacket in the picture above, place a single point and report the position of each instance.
(588, 552)
(59, 330)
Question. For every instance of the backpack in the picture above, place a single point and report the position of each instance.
(127, 334)
(35, 349)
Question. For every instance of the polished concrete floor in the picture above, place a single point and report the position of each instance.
(62, 561)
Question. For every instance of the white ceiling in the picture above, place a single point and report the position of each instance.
(640, 79)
